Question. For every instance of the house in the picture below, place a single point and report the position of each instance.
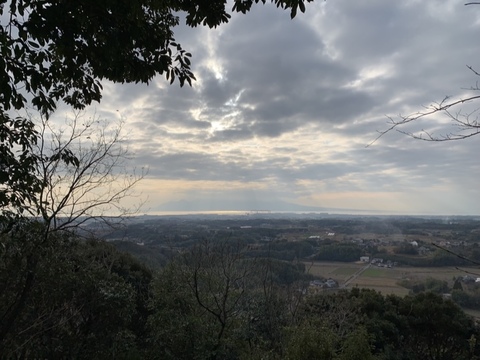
(365, 259)
(422, 250)
(330, 283)
(468, 279)
(316, 283)
(357, 241)
(323, 284)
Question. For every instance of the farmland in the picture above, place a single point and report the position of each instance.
(384, 280)
(329, 246)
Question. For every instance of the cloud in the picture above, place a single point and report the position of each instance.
(287, 108)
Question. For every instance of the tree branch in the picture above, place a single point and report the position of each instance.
(467, 123)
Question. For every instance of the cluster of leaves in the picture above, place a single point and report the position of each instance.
(212, 13)
(422, 326)
(86, 300)
(284, 250)
(340, 252)
(467, 299)
(438, 258)
(61, 50)
(466, 292)
(429, 285)
(18, 185)
(406, 249)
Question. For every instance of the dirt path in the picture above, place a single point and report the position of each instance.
(355, 275)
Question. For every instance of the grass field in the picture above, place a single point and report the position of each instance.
(381, 279)
(335, 270)
(346, 271)
(381, 273)
(474, 313)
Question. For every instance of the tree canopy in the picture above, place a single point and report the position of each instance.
(59, 50)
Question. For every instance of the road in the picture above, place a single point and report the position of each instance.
(354, 276)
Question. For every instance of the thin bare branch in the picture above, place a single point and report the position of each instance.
(466, 124)
(456, 254)
(84, 172)
(444, 106)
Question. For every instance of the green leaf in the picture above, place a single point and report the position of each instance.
(293, 12)
(302, 6)
(33, 44)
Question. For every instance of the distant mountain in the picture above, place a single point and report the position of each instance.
(242, 205)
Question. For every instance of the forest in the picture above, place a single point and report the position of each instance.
(88, 300)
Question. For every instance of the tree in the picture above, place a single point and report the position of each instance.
(357, 346)
(80, 174)
(61, 51)
(423, 326)
(405, 248)
(88, 301)
(438, 329)
(311, 340)
(212, 302)
(84, 173)
(203, 300)
(220, 280)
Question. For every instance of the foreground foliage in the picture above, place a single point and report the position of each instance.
(88, 300)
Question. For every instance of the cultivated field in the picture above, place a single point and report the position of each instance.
(384, 280)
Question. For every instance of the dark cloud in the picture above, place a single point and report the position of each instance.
(293, 104)
(286, 80)
(216, 92)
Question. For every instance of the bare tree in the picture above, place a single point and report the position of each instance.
(465, 122)
(84, 173)
(219, 278)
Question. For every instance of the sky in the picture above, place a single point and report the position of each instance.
(283, 110)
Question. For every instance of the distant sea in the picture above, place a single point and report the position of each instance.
(272, 213)
(264, 212)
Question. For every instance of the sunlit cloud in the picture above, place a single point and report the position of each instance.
(282, 111)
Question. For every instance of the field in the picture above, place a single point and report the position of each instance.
(384, 280)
